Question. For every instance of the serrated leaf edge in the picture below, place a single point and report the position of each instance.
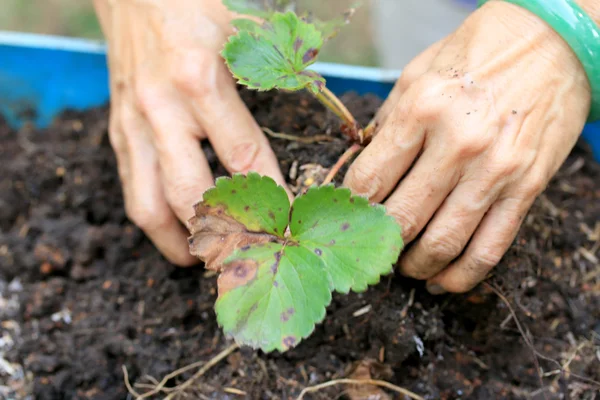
(279, 347)
(315, 87)
(332, 189)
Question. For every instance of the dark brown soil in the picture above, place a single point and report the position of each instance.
(85, 293)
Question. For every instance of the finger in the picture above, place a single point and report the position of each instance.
(145, 200)
(234, 134)
(448, 233)
(117, 140)
(417, 67)
(491, 240)
(422, 191)
(376, 171)
(184, 170)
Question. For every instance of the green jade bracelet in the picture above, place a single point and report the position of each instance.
(580, 32)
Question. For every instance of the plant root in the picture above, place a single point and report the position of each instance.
(561, 369)
(355, 148)
(172, 392)
(300, 139)
(375, 382)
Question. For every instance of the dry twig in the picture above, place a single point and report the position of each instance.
(375, 382)
(179, 388)
(300, 139)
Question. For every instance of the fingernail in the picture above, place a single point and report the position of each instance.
(435, 289)
(242, 156)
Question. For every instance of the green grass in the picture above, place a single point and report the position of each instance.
(76, 18)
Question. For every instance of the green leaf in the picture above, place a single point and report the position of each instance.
(243, 24)
(276, 54)
(330, 28)
(274, 288)
(281, 304)
(256, 202)
(357, 241)
(258, 8)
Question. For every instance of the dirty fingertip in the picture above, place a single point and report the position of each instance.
(435, 289)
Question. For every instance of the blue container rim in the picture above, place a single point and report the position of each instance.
(76, 76)
(42, 41)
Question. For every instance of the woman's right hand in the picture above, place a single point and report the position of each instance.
(169, 90)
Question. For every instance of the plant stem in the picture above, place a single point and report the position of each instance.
(331, 101)
(367, 134)
(355, 148)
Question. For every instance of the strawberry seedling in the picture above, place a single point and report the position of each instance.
(279, 262)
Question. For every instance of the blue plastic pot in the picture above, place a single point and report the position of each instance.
(40, 76)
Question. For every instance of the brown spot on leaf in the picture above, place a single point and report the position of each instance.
(240, 271)
(272, 215)
(236, 274)
(247, 208)
(351, 199)
(289, 341)
(332, 242)
(300, 221)
(318, 252)
(275, 265)
(285, 316)
(215, 236)
(345, 227)
(233, 191)
(275, 284)
(298, 44)
(253, 308)
(335, 200)
(310, 55)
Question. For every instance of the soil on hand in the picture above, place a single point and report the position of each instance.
(84, 293)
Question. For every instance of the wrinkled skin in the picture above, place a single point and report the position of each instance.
(473, 132)
(169, 90)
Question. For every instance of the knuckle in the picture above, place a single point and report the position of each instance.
(130, 120)
(470, 142)
(535, 184)
(196, 74)
(503, 166)
(408, 77)
(442, 248)
(469, 146)
(430, 97)
(364, 180)
(148, 96)
(146, 216)
(409, 269)
(182, 195)
(115, 136)
(484, 259)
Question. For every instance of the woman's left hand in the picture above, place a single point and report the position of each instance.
(475, 128)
